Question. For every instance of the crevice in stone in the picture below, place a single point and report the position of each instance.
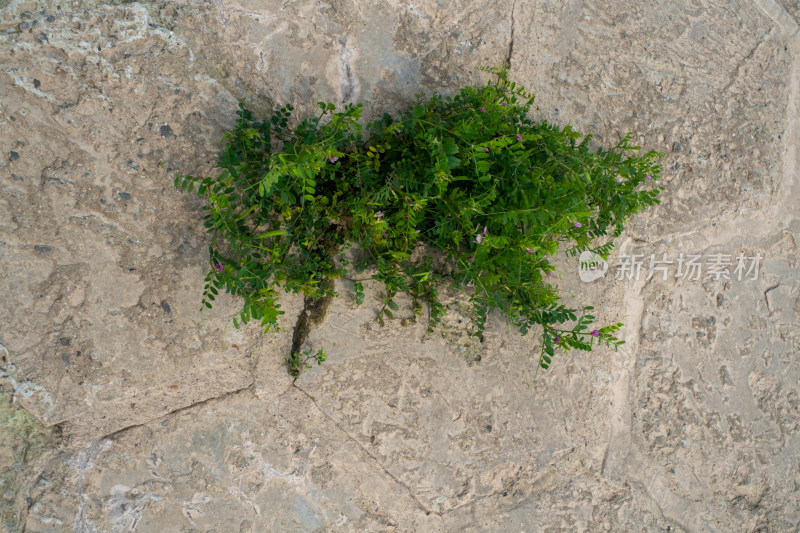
(739, 64)
(349, 85)
(427, 510)
(766, 298)
(67, 441)
(511, 38)
(314, 311)
(315, 308)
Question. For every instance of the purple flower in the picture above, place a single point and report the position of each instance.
(471, 257)
(649, 177)
(595, 333)
(519, 137)
(577, 224)
(483, 110)
(485, 148)
(504, 104)
(528, 251)
(557, 339)
(549, 274)
(334, 159)
(379, 214)
(479, 238)
(484, 230)
(218, 267)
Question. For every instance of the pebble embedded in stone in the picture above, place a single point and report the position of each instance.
(166, 131)
(13, 156)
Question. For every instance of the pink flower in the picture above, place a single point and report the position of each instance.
(379, 214)
(519, 137)
(595, 333)
(504, 104)
(483, 110)
(484, 230)
(485, 148)
(557, 339)
(471, 257)
(334, 159)
(218, 267)
(577, 224)
(479, 238)
(528, 251)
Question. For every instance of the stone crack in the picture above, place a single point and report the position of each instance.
(386, 472)
(511, 37)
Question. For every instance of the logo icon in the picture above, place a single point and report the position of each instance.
(591, 266)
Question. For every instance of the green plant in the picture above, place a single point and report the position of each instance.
(297, 362)
(469, 177)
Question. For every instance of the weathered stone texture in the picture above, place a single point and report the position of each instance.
(153, 416)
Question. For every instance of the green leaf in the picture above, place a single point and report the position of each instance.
(449, 146)
(274, 233)
(453, 162)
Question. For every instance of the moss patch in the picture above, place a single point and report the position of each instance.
(22, 440)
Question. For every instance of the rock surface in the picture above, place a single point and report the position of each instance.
(153, 416)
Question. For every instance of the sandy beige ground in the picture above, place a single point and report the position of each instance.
(132, 410)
